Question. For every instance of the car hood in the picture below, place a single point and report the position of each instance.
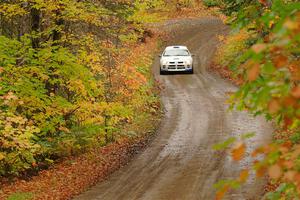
(176, 58)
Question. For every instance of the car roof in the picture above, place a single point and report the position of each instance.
(176, 47)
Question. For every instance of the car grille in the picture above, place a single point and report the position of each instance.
(176, 65)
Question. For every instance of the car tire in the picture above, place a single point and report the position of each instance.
(161, 72)
(192, 71)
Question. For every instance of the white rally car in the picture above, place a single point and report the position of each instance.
(176, 59)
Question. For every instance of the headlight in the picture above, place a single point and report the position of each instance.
(164, 62)
(188, 62)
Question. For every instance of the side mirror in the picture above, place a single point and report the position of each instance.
(159, 56)
(193, 55)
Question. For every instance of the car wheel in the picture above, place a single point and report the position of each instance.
(161, 72)
(192, 71)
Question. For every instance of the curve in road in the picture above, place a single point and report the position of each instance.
(180, 164)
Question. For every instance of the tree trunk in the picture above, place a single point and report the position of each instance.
(56, 35)
(35, 26)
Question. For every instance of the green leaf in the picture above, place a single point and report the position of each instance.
(225, 144)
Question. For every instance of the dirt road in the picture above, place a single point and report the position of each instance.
(180, 163)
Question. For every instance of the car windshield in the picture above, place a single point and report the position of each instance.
(177, 52)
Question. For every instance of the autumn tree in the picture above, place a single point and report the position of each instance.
(269, 67)
(64, 87)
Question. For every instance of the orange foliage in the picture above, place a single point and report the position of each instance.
(238, 151)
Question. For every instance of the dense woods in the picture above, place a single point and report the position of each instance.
(73, 77)
(263, 53)
(69, 77)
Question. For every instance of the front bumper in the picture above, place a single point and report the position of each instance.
(176, 68)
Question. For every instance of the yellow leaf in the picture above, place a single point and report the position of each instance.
(2, 156)
(291, 25)
(221, 38)
(271, 23)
